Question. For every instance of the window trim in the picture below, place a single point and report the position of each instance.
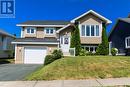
(30, 28)
(126, 45)
(94, 50)
(90, 25)
(54, 30)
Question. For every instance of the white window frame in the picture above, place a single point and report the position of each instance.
(126, 45)
(90, 25)
(94, 50)
(54, 30)
(30, 30)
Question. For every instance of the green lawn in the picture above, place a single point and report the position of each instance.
(88, 67)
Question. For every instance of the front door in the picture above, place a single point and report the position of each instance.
(65, 43)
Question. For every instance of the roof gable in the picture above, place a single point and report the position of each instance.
(95, 14)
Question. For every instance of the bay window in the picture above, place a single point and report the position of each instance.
(89, 30)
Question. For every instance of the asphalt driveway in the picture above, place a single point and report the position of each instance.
(14, 72)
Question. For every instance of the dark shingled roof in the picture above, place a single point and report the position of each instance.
(51, 40)
(125, 19)
(47, 22)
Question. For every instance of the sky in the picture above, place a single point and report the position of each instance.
(63, 10)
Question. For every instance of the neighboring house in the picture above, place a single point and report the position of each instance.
(5, 44)
(119, 37)
(39, 38)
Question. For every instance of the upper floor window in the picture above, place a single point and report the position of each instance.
(31, 30)
(49, 30)
(90, 30)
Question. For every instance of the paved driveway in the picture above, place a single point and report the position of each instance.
(13, 72)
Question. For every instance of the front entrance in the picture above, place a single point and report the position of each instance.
(65, 43)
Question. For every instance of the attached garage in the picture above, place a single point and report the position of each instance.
(34, 55)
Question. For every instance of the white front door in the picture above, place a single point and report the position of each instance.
(65, 43)
(34, 55)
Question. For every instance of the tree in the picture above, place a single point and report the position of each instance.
(75, 39)
(103, 47)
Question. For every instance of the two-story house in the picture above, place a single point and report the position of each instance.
(39, 38)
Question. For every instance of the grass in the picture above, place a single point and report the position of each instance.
(88, 67)
(6, 61)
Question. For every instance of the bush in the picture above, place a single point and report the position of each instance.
(10, 53)
(82, 52)
(57, 54)
(48, 59)
(90, 54)
(114, 51)
(103, 47)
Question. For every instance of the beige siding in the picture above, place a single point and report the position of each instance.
(66, 31)
(91, 20)
(40, 33)
(20, 51)
(19, 54)
(91, 40)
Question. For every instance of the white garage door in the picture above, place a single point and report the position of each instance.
(34, 55)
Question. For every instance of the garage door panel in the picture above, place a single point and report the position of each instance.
(35, 55)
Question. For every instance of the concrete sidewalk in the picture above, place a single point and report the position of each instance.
(68, 83)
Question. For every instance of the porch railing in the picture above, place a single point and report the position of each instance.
(71, 52)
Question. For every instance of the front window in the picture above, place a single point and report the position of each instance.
(83, 30)
(97, 30)
(30, 30)
(90, 30)
(49, 30)
(90, 48)
(127, 41)
(87, 30)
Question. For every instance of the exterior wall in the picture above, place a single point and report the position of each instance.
(118, 35)
(40, 33)
(90, 40)
(5, 45)
(91, 20)
(20, 51)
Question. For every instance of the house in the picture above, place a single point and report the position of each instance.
(119, 36)
(5, 44)
(39, 38)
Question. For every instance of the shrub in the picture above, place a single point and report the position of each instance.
(75, 39)
(57, 54)
(82, 52)
(90, 53)
(114, 51)
(49, 59)
(10, 53)
(103, 47)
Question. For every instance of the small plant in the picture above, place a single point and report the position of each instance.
(82, 52)
(48, 59)
(9, 52)
(57, 54)
(114, 51)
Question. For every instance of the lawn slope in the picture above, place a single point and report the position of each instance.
(84, 68)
